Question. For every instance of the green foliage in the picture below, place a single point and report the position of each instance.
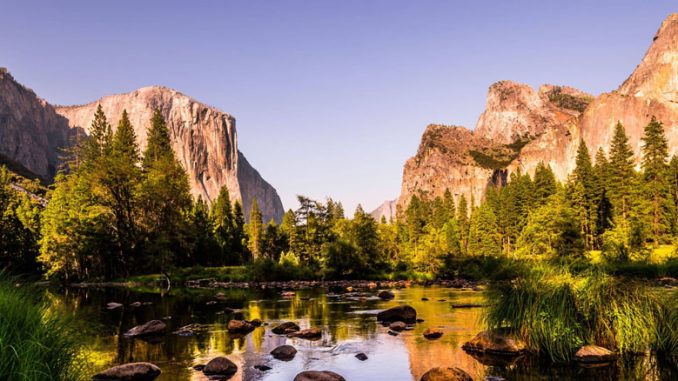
(255, 230)
(568, 101)
(35, 343)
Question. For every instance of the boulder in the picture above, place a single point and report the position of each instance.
(137, 371)
(220, 366)
(262, 368)
(432, 333)
(308, 334)
(397, 326)
(446, 374)
(318, 375)
(256, 322)
(239, 326)
(286, 328)
(284, 353)
(403, 313)
(153, 327)
(135, 304)
(499, 341)
(594, 354)
(386, 295)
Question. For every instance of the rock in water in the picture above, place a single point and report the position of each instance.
(432, 333)
(308, 334)
(500, 341)
(153, 327)
(284, 353)
(220, 366)
(137, 371)
(386, 295)
(239, 326)
(318, 375)
(361, 356)
(403, 313)
(286, 328)
(113, 306)
(594, 354)
(446, 374)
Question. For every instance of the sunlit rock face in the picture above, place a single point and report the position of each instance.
(521, 127)
(31, 132)
(386, 210)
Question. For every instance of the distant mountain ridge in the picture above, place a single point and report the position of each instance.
(521, 127)
(204, 139)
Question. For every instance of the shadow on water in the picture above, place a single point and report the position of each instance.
(349, 327)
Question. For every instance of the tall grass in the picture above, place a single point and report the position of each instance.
(556, 312)
(666, 342)
(34, 344)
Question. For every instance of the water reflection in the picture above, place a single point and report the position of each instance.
(349, 327)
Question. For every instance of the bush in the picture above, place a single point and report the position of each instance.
(35, 344)
(265, 269)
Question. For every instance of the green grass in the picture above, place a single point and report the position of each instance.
(35, 344)
(555, 312)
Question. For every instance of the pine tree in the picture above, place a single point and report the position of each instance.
(657, 188)
(601, 172)
(448, 205)
(223, 223)
(205, 250)
(621, 173)
(484, 240)
(239, 239)
(463, 222)
(544, 183)
(673, 181)
(255, 230)
(98, 143)
(165, 200)
(583, 196)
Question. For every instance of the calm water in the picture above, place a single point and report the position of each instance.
(349, 327)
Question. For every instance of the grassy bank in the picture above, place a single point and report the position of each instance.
(556, 311)
(34, 343)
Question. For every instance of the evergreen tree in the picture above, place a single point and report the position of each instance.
(165, 200)
(604, 216)
(583, 196)
(448, 205)
(239, 238)
(673, 181)
(463, 222)
(98, 142)
(621, 173)
(657, 190)
(255, 230)
(484, 240)
(205, 250)
(223, 222)
(544, 183)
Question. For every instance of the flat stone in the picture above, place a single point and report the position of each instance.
(137, 371)
(594, 354)
(308, 334)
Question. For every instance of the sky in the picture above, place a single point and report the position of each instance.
(330, 97)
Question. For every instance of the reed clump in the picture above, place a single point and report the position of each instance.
(35, 344)
(556, 312)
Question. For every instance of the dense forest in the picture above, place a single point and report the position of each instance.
(114, 211)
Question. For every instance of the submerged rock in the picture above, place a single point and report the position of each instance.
(308, 334)
(284, 353)
(256, 322)
(220, 366)
(138, 371)
(286, 328)
(446, 374)
(153, 327)
(318, 375)
(500, 341)
(403, 313)
(432, 333)
(594, 354)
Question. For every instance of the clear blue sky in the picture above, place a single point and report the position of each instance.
(331, 97)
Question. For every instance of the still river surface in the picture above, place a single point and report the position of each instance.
(349, 327)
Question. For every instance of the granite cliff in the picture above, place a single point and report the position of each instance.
(521, 127)
(204, 139)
